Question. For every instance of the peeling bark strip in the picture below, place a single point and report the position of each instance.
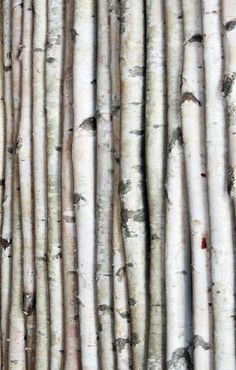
(228, 85)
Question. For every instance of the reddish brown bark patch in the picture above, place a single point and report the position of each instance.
(204, 243)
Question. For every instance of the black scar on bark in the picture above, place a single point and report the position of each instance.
(135, 339)
(121, 344)
(124, 187)
(69, 219)
(227, 86)
(2, 182)
(58, 148)
(51, 60)
(73, 34)
(230, 25)
(29, 302)
(77, 198)
(199, 342)
(196, 38)
(10, 150)
(137, 132)
(5, 243)
(131, 302)
(7, 68)
(231, 182)
(89, 123)
(104, 308)
(177, 136)
(180, 353)
(137, 71)
(189, 96)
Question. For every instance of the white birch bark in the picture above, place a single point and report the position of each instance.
(54, 60)
(2, 137)
(17, 333)
(83, 156)
(40, 184)
(24, 152)
(155, 140)
(69, 251)
(6, 236)
(120, 293)
(195, 162)
(104, 191)
(2, 119)
(132, 183)
(221, 221)
(178, 279)
(229, 88)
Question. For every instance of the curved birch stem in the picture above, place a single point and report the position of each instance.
(104, 191)
(24, 151)
(178, 280)
(6, 236)
(155, 140)
(69, 251)
(121, 308)
(53, 110)
(40, 185)
(133, 213)
(195, 162)
(83, 156)
(17, 356)
(221, 221)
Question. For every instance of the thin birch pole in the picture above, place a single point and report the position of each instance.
(6, 236)
(221, 220)
(229, 89)
(40, 184)
(17, 333)
(69, 251)
(83, 156)
(54, 71)
(2, 141)
(104, 191)
(24, 151)
(195, 161)
(155, 141)
(2, 120)
(133, 215)
(120, 293)
(178, 277)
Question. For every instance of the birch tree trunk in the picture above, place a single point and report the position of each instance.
(2, 139)
(178, 279)
(229, 88)
(6, 236)
(155, 142)
(104, 191)
(83, 157)
(54, 60)
(40, 184)
(195, 162)
(221, 222)
(133, 215)
(24, 151)
(120, 294)
(2, 119)
(69, 251)
(17, 333)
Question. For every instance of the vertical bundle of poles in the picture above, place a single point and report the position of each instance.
(117, 184)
